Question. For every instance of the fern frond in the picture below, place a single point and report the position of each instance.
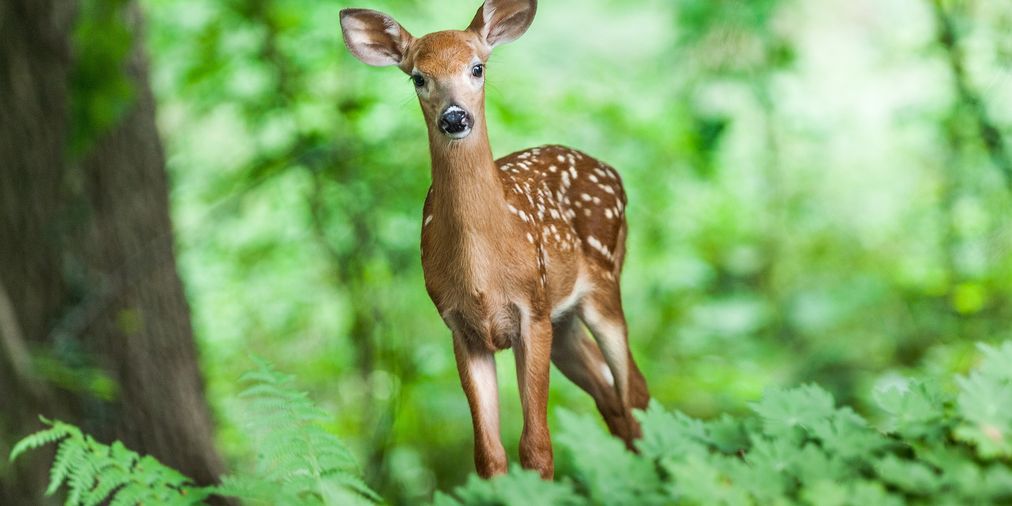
(94, 473)
(296, 456)
(55, 432)
(68, 454)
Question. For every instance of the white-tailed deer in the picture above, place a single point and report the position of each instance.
(516, 251)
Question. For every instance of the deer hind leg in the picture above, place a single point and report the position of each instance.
(601, 310)
(580, 360)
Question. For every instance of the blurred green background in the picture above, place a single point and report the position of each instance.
(819, 191)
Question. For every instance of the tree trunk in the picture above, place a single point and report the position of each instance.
(88, 285)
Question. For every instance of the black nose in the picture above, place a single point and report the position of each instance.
(454, 120)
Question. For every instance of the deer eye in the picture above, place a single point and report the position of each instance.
(478, 70)
(418, 80)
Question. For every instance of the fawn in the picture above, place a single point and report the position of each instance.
(518, 251)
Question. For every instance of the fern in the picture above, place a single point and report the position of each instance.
(797, 447)
(94, 473)
(298, 462)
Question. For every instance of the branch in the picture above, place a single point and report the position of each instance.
(12, 344)
(989, 133)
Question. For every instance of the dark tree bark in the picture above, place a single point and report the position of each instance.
(88, 277)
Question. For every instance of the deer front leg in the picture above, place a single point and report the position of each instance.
(476, 367)
(533, 357)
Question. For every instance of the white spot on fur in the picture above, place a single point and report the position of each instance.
(593, 242)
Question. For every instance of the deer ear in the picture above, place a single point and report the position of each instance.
(502, 21)
(374, 37)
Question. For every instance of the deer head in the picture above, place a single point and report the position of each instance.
(447, 68)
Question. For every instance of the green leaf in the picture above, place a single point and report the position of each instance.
(785, 412)
(42, 438)
(914, 411)
(985, 404)
(519, 487)
(912, 477)
(603, 466)
(670, 433)
(847, 435)
(699, 479)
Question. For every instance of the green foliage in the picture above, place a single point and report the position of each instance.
(797, 447)
(520, 487)
(985, 404)
(298, 462)
(100, 89)
(94, 473)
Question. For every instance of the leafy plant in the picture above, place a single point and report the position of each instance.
(298, 462)
(94, 472)
(798, 447)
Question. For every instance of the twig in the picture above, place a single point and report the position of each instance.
(12, 344)
(990, 135)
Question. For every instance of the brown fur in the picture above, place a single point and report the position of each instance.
(515, 251)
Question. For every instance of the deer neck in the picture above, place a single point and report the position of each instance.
(467, 193)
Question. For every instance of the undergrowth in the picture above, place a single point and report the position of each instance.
(796, 447)
(297, 461)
